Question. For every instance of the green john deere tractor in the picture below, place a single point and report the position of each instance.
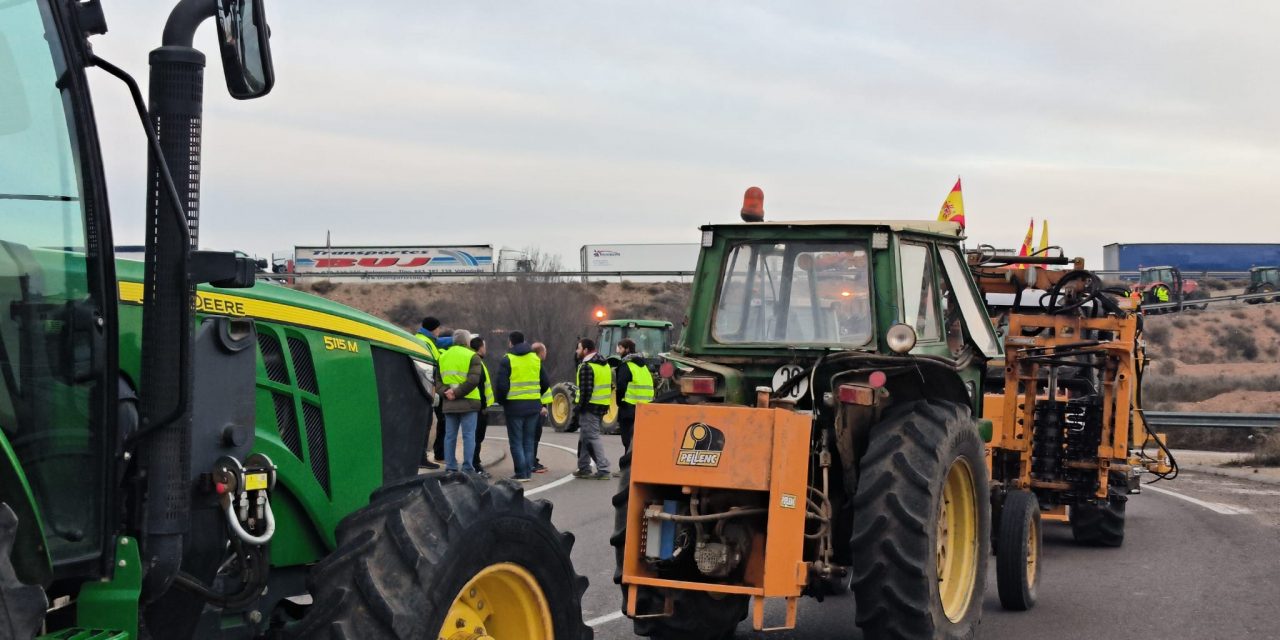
(652, 338)
(1263, 280)
(185, 453)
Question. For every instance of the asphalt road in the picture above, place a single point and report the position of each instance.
(1201, 559)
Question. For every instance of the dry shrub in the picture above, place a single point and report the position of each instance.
(323, 287)
(1157, 334)
(1267, 454)
(1239, 343)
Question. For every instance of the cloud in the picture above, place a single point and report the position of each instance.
(561, 124)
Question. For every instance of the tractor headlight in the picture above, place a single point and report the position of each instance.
(900, 338)
(426, 377)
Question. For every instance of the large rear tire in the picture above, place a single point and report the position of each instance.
(1018, 558)
(22, 606)
(696, 614)
(430, 558)
(1100, 525)
(921, 525)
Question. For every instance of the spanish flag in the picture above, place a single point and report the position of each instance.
(1044, 236)
(953, 206)
(1026, 242)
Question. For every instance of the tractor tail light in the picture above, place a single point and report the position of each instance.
(857, 394)
(667, 370)
(695, 386)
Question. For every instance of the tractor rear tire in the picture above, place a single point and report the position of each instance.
(696, 614)
(403, 562)
(921, 526)
(1100, 525)
(22, 606)
(609, 422)
(561, 412)
(1018, 558)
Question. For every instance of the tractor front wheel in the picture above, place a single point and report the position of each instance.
(562, 409)
(1018, 555)
(921, 525)
(437, 558)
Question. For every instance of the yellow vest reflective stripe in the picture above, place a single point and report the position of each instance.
(602, 392)
(454, 364)
(488, 386)
(640, 389)
(525, 373)
(431, 346)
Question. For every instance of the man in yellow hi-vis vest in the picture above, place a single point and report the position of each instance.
(519, 385)
(458, 380)
(633, 386)
(595, 391)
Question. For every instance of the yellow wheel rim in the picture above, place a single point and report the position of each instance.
(1033, 552)
(502, 602)
(612, 416)
(560, 408)
(957, 541)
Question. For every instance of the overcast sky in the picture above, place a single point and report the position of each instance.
(561, 124)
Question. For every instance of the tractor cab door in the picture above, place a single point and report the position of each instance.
(57, 316)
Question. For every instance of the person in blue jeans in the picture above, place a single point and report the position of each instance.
(519, 385)
(458, 381)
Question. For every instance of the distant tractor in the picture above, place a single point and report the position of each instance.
(1161, 285)
(1263, 280)
(652, 337)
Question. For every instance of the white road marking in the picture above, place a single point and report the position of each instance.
(595, 622)
(1216, 507)
(559, 481)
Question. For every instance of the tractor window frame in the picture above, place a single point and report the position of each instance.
(972, 309)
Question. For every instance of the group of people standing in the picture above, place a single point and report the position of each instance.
(466, 389)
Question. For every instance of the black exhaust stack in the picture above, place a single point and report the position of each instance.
(176, 105)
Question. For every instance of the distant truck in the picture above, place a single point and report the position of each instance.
(606, 259)
(1190, 256)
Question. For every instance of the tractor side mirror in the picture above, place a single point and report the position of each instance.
(245, 41)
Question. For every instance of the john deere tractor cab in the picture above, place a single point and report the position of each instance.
(184, 453)
(1263, 280)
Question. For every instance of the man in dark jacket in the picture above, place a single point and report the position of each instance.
(595, 394)
(627, 397)
(519, 385)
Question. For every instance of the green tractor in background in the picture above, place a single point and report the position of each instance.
(1263, 280)
(187, 453)
(652, 337)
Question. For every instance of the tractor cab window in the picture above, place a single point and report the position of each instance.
(919, 308)
(650, 341)
(795, 293)
(1157, 275)
(47, 327)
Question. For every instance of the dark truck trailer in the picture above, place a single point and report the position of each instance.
(1190, 256)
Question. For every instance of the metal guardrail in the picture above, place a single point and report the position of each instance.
(1212, 420)
(496, 275)
(1188, 304)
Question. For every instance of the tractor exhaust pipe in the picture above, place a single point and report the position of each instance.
(176, 106)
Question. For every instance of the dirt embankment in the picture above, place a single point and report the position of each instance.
(1218, 360)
